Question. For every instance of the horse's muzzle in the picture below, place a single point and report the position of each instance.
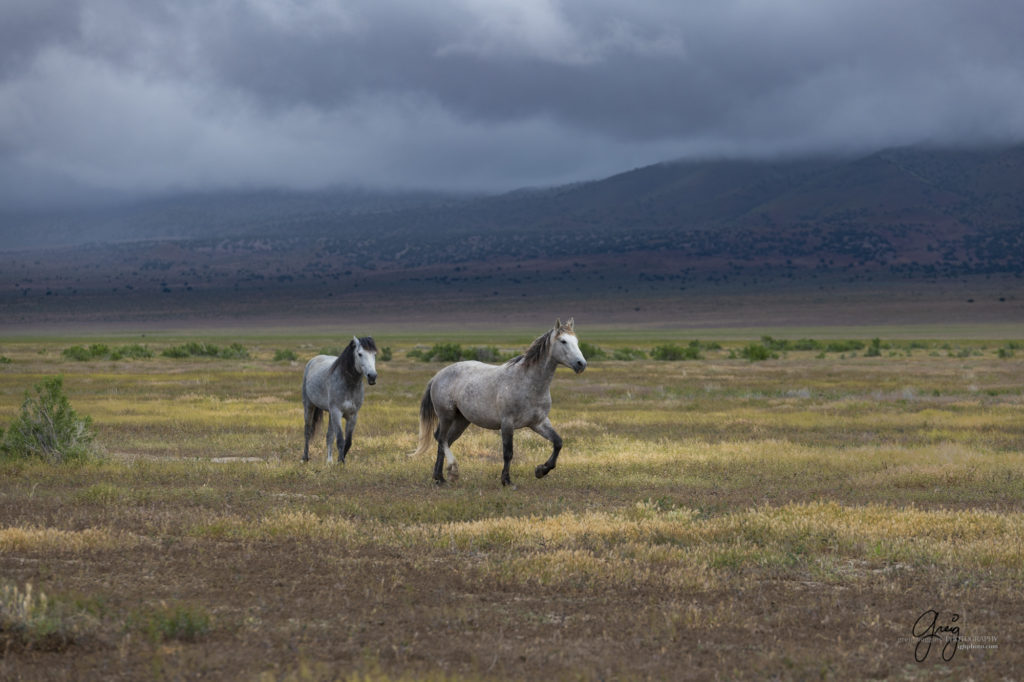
(579, 366)
(371, 379)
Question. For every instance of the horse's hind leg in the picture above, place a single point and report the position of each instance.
(312, 414)
(506, 452)
(459, 425)
(547, 431)
(443, 451)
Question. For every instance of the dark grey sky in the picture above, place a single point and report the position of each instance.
(152, 95)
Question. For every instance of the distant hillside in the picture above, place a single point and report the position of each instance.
(902, 215)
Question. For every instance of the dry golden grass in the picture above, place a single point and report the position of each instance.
(785, 519)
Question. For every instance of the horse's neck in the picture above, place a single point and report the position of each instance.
(541, 374)
(352, 380)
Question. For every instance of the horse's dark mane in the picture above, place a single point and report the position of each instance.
(346, 362)
(536, 353)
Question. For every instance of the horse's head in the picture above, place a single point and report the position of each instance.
(565, 347)
(364, 357)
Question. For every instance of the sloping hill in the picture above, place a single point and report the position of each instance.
(897, 216)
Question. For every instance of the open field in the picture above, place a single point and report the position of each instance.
(710, 518)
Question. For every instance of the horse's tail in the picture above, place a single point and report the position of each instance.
(428, 420)
(313, 413)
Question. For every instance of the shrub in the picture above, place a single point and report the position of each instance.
(79, 353)
(787, 345)
(4, 360)
(385, 354)
(440, 352)
(628, 354)
(672, 352)
(235, 351)
(843, 346)
(756, 352)
(592, 352)
(48, 427)
(134, 351)
(874, 348)
(483, 354)
(285, 356)
(97, 351)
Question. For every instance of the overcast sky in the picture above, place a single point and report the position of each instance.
(157, 95)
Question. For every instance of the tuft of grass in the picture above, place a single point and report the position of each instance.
(178, 622)
(29, 620)
(285, 356)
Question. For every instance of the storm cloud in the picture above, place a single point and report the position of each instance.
(144, 96)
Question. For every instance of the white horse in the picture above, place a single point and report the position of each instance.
(498, 397)
(335, 384)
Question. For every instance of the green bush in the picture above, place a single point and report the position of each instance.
(628, 354)
(843, 346)
(453, 352)
(385, 354)
(48, 427)
(97, 351)
(874, 349)
(672, 352)
(4, 360)
(756, 352)
(80, 353)
(592, 352)
(787, 345)
(134, 351)
(235, 351)
(285, 356)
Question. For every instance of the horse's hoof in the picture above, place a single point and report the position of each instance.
(541, 471)
(453, 473)
(439, 482)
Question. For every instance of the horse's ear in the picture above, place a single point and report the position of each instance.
(355, 342)
(570, 325)
(558, 323)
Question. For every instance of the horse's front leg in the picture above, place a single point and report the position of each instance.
(334, 434)
(546, 430)
(506, 451)
(350, 427)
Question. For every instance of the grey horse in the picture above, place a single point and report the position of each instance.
(498, 397)
(335, 384)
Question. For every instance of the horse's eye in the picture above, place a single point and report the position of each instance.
(563, 340)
